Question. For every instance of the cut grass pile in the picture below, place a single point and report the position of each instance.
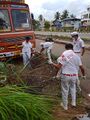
(15, 104)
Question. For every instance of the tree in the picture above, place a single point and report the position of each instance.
(35, 24)
(40, 17)
(57, 16)
(72, 16)
(47, 25)
(41, 21)
(65, 14)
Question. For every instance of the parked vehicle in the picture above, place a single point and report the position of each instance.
(15, 25)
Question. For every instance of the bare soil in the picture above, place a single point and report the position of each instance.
(60, 114)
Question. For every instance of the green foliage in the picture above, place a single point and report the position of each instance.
(15, 104)
(72, 16)
(47, 25)
(40, 17)
(3, 72)
(57, 16)
(65, 14)
(3, 68)
(85, 29)
(68, 29)
(36, 24)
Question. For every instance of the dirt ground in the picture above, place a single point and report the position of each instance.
(60, 114)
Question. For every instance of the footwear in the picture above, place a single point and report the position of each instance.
(73, 105)
(64, 107)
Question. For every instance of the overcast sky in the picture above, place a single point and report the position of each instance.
(48, 8)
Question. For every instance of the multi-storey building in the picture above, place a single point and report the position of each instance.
(85, 17)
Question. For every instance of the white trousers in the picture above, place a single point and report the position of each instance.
(26, 58)
(68, 83)
(48, 52)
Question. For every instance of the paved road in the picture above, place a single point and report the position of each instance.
(58, 49)
(82, 35)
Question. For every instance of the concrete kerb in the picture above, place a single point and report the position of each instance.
(87, 47)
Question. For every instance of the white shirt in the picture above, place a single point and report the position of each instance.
(47, 45)
(26, 47)
(78, 44)
(70, 62)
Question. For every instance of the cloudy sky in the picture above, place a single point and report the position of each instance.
(48, 8)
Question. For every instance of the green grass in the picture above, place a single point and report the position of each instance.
(15, 104)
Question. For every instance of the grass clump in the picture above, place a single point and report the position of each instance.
(3, 73)
(15, 104)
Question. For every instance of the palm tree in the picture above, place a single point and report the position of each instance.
(57, 16)
(72, 16)
(65, 14)
(40, 17)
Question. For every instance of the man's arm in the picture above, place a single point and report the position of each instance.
(82, 70)
(58, 66)
(32, 51)
(83, 51)
(42, 49)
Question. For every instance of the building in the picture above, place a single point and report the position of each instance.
(71, 23)
(85, 17)
(57, 23)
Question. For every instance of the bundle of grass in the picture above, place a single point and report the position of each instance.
(15, 104)
(3, 73)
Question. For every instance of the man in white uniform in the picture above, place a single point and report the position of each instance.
(26, 50)
(78, 44)
(47, 45)
(69, 63)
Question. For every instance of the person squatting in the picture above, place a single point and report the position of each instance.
(47, 45)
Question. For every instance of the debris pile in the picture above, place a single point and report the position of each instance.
(39, 78)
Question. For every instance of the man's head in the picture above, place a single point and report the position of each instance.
(49, 40)
(68, 46)
(27, 38)
(74, 35)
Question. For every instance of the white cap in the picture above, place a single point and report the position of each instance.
(74, 33)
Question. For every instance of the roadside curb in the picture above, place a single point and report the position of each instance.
(87, 47)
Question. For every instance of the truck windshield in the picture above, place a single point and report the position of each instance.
(4, 21)
(21, 20)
